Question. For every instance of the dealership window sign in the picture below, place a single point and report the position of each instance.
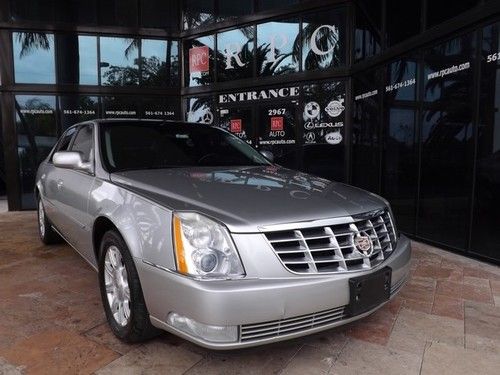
(285, 92)
(199, 60)
(233, 56)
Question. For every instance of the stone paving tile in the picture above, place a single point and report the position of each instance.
(425, 307)
(420, 289)
(377, 327)
(332, 340)
(102, 335)
(414, 329)
(359, 357)
(9, 369)
(482, 327)
(153, 358)
(310, 361)
(58, 352)
(441, 359)
(267, 359)
(450, 307)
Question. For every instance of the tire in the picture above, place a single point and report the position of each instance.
(124, 305)
(47, 234)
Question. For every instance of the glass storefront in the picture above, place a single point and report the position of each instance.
(399, 98)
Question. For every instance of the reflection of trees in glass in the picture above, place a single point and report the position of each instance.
(452, 106)
(31, 41)
(325, 39)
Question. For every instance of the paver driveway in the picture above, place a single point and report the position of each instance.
(446, 320)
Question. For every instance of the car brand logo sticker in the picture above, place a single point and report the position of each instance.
(310, 137)
(334, 108)
(309, 125)
(311, 110)
(207, 117)
(363, 244)
(333, 138)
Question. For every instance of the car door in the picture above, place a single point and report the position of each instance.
(73, 194)
(50, 178)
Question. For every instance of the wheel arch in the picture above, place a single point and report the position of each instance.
(101, 225)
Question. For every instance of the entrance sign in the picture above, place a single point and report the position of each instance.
(198, 59)
(284, 92)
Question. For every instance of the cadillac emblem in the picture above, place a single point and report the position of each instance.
(363, 244)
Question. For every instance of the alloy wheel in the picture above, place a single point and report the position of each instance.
(117, 288)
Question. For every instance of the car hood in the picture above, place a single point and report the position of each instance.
(247, 199)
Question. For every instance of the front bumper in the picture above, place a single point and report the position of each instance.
(305, 304)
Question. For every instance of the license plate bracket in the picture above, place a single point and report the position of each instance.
(368, 291)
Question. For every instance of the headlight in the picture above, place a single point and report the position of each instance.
(203, 248)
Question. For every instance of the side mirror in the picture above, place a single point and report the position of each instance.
(71, 160)
(268, 155)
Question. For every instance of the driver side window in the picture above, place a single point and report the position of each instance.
(84, 143)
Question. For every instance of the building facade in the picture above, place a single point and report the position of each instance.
(400, 98)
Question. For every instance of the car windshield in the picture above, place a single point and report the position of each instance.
(153, 145)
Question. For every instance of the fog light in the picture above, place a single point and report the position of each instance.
(203, 331)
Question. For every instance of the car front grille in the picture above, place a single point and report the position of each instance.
(332, 249)
(276, 328)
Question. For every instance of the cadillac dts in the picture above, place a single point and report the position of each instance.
(195, 232)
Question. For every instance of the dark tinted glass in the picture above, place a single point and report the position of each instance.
(118, 12)
(197, 13)
(159, 108)
(235, 54)
(403, 20)
(272, 4)
(3, 182)
(230, 9)
(373, 10)
(440, 11)
(487, 198)
(75, 108)
(33, 57)
(84, 142)
(83, 12)
(151, 146)
(366, 130)
(120, 106)
(447, 142)
(199, 61)
(323, 130)
(36, 135)
(400, 164)
(29, 10)
(277, 131)
(366, 37)
(65, 141)
(323, 37)
(119, 61)
(160, 13)
(77, 59)
(201, 109)
(400, 149)
(276, 47)
(239, 121)
(154, 62)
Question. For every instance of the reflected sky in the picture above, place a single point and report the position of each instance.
(34, 64)
(88, 59)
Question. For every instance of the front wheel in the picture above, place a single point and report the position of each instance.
(121, 291)
(47, 234)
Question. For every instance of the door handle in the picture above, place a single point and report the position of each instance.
(60, 184)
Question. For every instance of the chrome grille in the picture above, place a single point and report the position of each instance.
(331, 249)
(260, 331)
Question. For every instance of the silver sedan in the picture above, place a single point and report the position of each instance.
(194, 232)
